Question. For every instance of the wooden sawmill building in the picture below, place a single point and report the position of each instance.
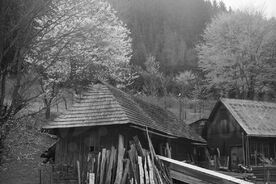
(103, 112)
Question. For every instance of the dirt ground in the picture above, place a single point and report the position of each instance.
(20, 172)
(21, 158)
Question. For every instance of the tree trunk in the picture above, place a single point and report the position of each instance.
(47, 104)
(48, 112)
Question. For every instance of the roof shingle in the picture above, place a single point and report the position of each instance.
(255, 117)
(103, 104)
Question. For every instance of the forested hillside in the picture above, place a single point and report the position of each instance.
(167, 30)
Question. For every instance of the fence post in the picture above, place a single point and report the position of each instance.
(40, 179)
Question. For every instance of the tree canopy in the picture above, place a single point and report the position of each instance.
(167, 30)
(81, 34)
(50, 40)
(238, 54)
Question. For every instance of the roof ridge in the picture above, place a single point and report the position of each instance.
(247, 101)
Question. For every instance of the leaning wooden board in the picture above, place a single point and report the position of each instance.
(193, 174)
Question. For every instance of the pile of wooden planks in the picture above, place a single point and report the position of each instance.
(121, 166)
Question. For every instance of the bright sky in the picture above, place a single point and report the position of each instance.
(266, 6)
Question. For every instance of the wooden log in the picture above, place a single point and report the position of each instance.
(91, 178)
(110, 165)
(113, 173)
(132, 156)
(78, 170)
(138, 147)
(102, 169)
(91, 162)
(121, 152)
(108, 152)
(141, 170)
(151, 176)
(146, 170)
(151, 148)
(157, 174)
(126, 171)
(98, 168)
(131, 181)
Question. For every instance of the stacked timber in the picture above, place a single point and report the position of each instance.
(133, 166)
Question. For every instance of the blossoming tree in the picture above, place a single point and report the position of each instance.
(83, 33)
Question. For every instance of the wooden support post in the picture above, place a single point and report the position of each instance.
(40, 179)
(243, 149)
(247, 151)
(121, 151)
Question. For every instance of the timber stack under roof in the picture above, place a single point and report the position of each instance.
(103, 104)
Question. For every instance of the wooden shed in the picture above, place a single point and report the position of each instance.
(103, 112)
(243, 130)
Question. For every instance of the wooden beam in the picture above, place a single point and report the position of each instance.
(247, 151)
(185, 178)
(153, 132)
(243, 149)
(180, 171)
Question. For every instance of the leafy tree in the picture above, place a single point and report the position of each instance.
(238, 54)
(17, 35)
(85, 34)
(18, 20)
(151, 75)
(186, 81)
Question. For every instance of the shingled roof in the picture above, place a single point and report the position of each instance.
(255, 117)
(103, 104)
